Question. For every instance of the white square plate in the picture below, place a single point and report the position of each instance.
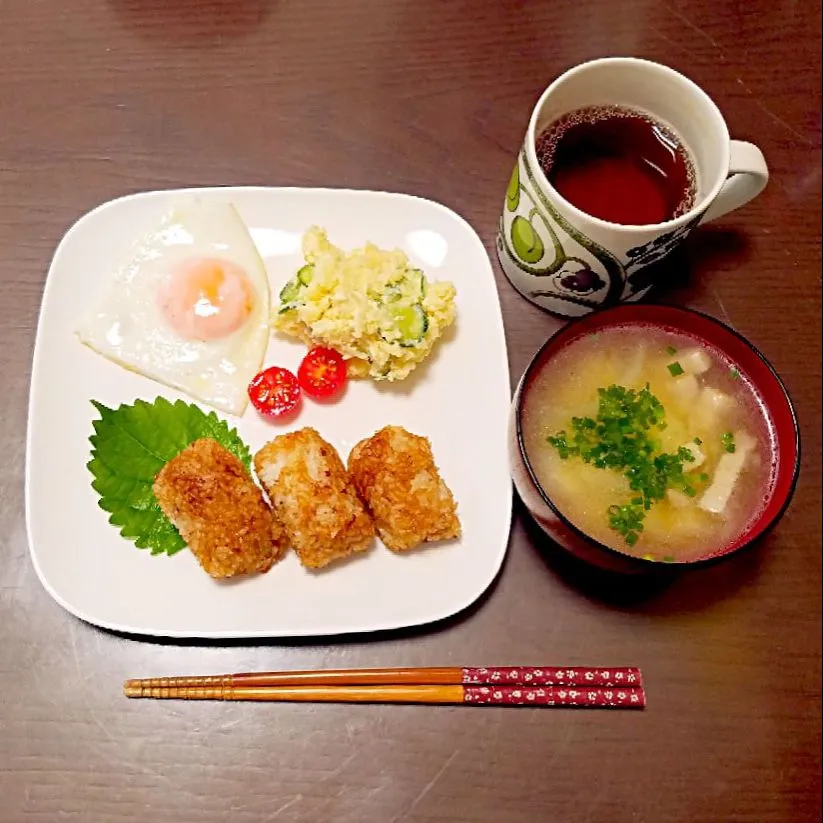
(459, 400)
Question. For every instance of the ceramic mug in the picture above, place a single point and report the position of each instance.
(572, 263)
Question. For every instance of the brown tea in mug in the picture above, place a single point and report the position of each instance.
(618, 164)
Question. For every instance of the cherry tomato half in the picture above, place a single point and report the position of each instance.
(322, 373)
(274, 392)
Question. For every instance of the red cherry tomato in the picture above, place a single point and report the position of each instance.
(274, 392)
(322, 373)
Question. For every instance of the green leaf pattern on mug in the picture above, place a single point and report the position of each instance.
(580, 268)
(513, 191)
(526, 241)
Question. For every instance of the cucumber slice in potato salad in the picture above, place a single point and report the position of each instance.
(412, 323)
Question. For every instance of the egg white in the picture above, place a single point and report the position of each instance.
(126, 324)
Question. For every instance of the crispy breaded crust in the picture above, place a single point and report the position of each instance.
(395, 473)
(313, 496)
(209, 496)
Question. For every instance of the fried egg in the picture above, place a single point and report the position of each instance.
(189, 308)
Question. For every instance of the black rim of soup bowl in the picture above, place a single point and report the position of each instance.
(602, 318)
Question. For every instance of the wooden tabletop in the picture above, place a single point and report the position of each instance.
(99, 98)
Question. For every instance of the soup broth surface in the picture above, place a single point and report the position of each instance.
(708, 407)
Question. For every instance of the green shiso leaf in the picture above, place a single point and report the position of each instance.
(130, 445)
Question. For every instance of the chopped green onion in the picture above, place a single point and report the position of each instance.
(697, 441)
(734, 373)
(704, 478)
(675, 369)
(728, 442)
(621, 438)
(627, 521)
(561, 443)
(671, 350)
(685, 454)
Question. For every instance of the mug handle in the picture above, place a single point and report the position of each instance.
(748, 175)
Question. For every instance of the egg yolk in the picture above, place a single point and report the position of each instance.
(206, 298)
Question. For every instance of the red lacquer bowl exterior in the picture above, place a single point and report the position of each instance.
(747, 359)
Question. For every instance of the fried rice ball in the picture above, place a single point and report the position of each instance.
(206, 492)
(313, 496)
(395, 474)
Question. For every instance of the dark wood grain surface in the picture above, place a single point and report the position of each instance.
(99, 98)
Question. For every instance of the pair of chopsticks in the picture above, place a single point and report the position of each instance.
(550, 686)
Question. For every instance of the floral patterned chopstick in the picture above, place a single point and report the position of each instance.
(545, 696)
(620, 687)
(612, 677)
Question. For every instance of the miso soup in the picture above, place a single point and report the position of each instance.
(650, 441)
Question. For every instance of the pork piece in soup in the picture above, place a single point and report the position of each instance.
(649, 441)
